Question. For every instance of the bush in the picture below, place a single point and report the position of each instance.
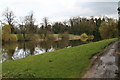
(108, 30)
(13, 37)
(50, 37)
(30, 37)
(6, 29)
(84, 37)
(90, 37)
(9, 46)
(5, 37)
(64, 36)
(9, 37)
(20, 37)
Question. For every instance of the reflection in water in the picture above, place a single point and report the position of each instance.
(12, 51)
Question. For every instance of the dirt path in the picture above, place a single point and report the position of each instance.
(105, 64)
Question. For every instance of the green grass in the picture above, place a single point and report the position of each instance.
(20, 36)
(73, 35)
(64, 63)
(36, 35)
(56, 35)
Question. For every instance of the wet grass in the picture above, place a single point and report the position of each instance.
(64, 63)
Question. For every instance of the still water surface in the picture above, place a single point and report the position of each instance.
(12, 51)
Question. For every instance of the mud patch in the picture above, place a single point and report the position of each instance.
(105, 64)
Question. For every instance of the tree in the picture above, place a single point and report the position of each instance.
(22, 28)
(29, 23)
(118, 26)
(81, 25)
(9, 18)
(6, 34)
(59, 27)
(96, 33)
(46, 25)
(108, 30)
(45, 22)
(29, 27)
(90, 26)
(6, 29)
(46, 28)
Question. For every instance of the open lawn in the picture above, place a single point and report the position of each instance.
(28, 36)
(56, 35)
(63, 63)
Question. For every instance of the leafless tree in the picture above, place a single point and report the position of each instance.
(29, 23)
(9, 16)
(45, 22)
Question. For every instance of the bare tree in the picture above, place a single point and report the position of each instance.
(45, 22)
(46, 28)
(9, 18)
(29, 20)
(27, 26)
(29, 23)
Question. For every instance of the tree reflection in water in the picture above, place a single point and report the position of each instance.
(12, 51)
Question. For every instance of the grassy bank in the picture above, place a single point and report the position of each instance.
(36, 36)
(56, 35)
(64, 63)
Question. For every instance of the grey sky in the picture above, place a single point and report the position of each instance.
(59, 10)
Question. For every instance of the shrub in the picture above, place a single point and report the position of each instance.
(9, 37)
(5, 37)
(30, 37)
(84, 37)
(20, 37)
(9, 46)
(50, 37)
(6, 29)
(90, 37)
(108, 30)
(64, 36)
(13, 37)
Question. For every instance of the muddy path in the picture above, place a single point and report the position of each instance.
(106, 64)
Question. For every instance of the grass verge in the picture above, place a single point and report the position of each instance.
(64, 63)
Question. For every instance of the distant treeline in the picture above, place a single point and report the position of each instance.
(100, 28)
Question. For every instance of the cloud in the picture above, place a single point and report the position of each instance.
(59, 9)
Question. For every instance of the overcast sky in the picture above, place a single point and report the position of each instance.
(59, 10)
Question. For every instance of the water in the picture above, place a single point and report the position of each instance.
(12, 51)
